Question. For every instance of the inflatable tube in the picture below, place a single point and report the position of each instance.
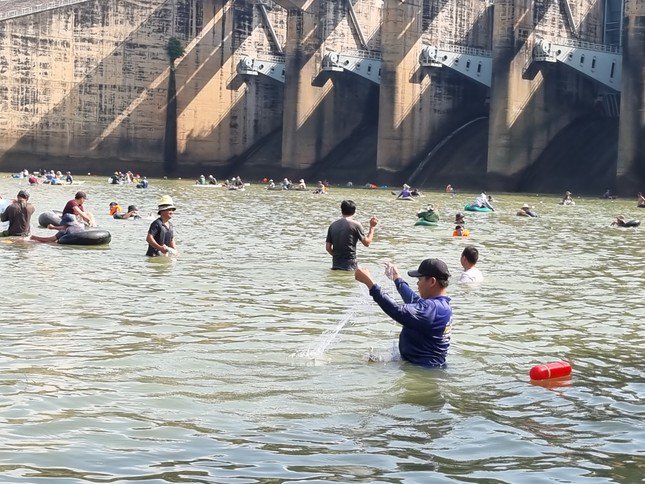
(425, 223)
(121, 216)
(631, 223)
(52, 217)
(430, 216)
(475, 208)
(87, 237)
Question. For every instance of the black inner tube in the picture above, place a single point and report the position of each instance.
(86, 237)
(51, 217)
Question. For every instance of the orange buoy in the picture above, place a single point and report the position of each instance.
(550, 370)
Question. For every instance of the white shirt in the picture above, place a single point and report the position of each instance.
(471, 275)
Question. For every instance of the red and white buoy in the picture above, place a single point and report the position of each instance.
(555, 369)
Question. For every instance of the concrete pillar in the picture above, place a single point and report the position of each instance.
(321, 109)
(302, 64)
(631, 138)
(222, 114)
(526, 114)
(403, 131)
(507, 134)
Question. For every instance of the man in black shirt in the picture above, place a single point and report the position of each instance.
(342, 236)
(18, 214)
(161, 235)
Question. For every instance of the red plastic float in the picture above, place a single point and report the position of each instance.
(555, 369)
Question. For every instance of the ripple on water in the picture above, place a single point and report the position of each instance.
(115, 366)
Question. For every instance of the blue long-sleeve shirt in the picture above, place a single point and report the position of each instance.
(425, 337)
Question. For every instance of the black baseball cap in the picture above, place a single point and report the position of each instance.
(432, 268)
(23, 194)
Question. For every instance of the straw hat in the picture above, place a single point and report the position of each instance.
(166, 203)
(527, 206)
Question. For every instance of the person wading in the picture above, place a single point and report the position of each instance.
(161, 234)
(342, 236)
(426, 317)
(18, 214)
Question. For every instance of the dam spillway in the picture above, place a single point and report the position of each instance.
(551, 92)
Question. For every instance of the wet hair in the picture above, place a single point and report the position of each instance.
(471, 254)
(443, 282)
(348, 207)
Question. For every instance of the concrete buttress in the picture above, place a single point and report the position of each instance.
(401, 118)
(631, 144)
(321, 109)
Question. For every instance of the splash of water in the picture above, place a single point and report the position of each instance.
(316, 349)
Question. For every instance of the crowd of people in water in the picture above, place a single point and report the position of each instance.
(425, 314)
(234, 183)
(46, 177)
(76, 220)
(124, 178)
(321, 187)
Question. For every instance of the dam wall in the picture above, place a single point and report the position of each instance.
(87, 85)
(372, 87)
(76, 83)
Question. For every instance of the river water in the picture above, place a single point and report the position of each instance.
(244, 359)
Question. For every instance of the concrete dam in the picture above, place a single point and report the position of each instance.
(541, 95)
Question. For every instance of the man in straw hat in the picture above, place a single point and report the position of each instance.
(18, 214)
(161, 234)
(426, 317)
(526, 211)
